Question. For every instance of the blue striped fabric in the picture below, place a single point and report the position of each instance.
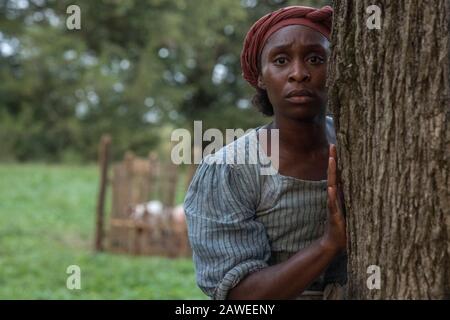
(240, 221)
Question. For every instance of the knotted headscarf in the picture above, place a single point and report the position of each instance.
(317, 19)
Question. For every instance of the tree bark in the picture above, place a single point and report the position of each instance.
(389, 93)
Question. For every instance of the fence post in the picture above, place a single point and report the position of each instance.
(103, 156)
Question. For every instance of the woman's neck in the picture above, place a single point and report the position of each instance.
(301, 137)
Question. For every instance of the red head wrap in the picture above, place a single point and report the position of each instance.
(317, 19)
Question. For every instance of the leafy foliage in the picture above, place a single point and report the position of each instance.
(136, 69)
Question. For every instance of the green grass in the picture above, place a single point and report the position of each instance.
(47, 224)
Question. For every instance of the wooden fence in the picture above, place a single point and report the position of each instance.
(135, 227)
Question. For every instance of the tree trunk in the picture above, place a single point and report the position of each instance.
(389, 92)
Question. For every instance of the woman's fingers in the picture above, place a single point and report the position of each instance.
(333, 152)
(332, 179)
(332, 203)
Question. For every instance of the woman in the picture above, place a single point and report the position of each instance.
(279, 236)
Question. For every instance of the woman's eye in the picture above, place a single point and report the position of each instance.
(316, 60)
(280, 60)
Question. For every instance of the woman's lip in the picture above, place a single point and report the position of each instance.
(300, 99)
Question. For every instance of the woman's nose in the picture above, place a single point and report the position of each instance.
(299, 72)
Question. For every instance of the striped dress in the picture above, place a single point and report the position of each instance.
(241, 221)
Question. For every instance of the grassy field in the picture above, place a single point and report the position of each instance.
(47, 224)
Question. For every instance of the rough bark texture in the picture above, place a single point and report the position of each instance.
(389, 92)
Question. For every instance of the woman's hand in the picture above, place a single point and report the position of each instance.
(335, 237)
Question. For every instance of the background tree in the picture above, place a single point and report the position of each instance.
(136, 69)
(389, 91)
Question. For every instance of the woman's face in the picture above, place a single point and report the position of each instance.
(293, 72)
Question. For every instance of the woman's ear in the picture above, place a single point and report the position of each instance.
(261, 83)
